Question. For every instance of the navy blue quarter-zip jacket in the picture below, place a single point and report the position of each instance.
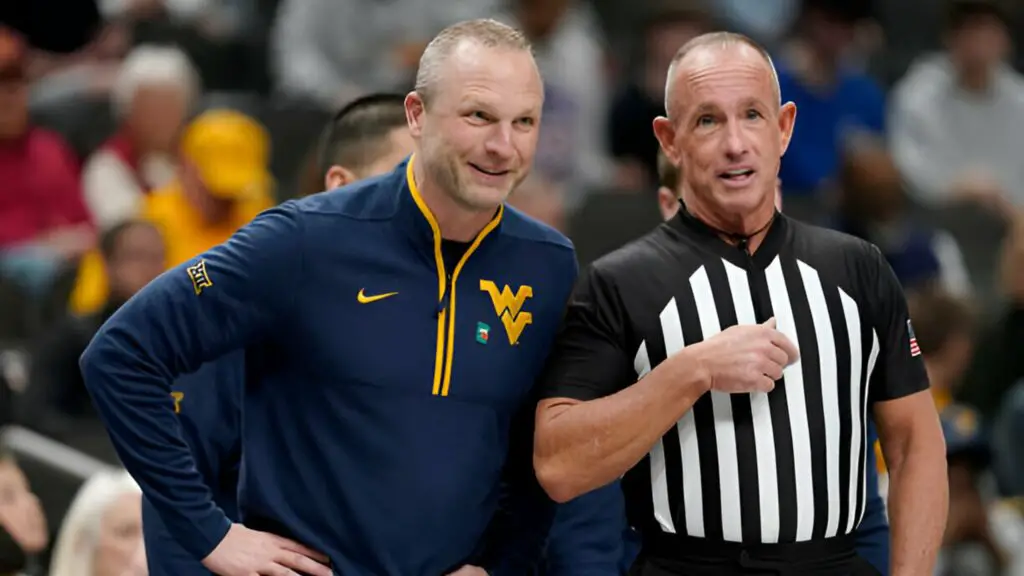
(208, 403)
(378, 425)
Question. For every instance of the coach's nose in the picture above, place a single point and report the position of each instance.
(499, 142)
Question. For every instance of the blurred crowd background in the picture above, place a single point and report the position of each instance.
(135, 134)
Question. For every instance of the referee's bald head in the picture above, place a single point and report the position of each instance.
(717, 41)
(367, 137)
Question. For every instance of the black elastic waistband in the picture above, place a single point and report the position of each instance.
(675, 547)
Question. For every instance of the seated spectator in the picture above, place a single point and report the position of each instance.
(23, 531)
(540, 198)
(44, 224)
(56, 403)
(834, 100)
(102, 529)
(667, 26)
(567, 45)
(223, 182)
(873, 205)
(983, 536)
(944, 327)
(155, 88)
(958, 117)
(999, 362)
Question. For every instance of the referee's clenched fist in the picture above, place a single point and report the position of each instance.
(747, 358)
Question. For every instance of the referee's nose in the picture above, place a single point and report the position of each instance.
(736, 146)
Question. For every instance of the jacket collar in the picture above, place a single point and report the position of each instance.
(415, 217)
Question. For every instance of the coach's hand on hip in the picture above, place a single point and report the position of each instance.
(244, 552)
(747, 358)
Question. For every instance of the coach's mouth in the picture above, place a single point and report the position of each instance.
(488, 172)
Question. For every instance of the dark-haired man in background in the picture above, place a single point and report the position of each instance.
(366, 138)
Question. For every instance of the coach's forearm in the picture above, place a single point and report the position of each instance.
(918, 504)
(581, 446)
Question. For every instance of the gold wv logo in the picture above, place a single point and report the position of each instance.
(509, 308)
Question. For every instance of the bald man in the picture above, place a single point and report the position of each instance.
(726, 363)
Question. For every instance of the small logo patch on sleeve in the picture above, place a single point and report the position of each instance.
(200, 278)
(915, 350)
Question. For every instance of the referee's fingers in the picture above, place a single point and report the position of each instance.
(778, 356)
(787, 346)
(766, 384)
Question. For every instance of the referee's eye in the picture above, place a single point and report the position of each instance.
(753, 114)
(705, 121)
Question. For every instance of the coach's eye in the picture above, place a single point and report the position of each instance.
(526, 121)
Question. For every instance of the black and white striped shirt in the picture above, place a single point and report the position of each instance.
(786, 466)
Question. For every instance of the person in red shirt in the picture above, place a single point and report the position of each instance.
(44, 224)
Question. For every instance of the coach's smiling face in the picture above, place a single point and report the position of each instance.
(478, 134)
(727, 131)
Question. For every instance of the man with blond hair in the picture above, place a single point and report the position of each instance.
(392, 329)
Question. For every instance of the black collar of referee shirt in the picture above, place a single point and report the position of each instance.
(712, 238)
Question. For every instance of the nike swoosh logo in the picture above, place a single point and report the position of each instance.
(364, 299)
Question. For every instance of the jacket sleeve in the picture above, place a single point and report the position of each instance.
(516, 536)
(588, 534)
(235, 294)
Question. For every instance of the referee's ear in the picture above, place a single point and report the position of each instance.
(787, 120)
(338, 176)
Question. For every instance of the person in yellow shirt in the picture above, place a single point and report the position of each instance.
(223, 182)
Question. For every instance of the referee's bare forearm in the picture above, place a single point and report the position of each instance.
(915, 454)
(580, 446)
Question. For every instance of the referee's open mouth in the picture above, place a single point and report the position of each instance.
(487, 172)
(737, 176)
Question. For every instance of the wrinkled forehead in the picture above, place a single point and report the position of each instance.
(723, 76)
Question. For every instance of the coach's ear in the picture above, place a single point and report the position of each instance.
(338, 176)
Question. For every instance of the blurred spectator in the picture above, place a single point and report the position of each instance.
(983, 537)
(633, 145)
(835, 101)
(944, 326)
(873, 205)
(23, 531)
(223, 182)
(226, 39)
(333, 51)
(56, 403)
(153, 93)
(542, 199)
(958, 117)
(766, 21)
(567, 46)
(102, 529)
(44, 224)
(137, 566)
(999, 362)
(59, 26)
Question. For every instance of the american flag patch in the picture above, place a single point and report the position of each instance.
(915, 350)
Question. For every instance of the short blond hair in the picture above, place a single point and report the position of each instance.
(483, 31)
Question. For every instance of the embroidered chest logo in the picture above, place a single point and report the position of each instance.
(509, 308)
(200, 278)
